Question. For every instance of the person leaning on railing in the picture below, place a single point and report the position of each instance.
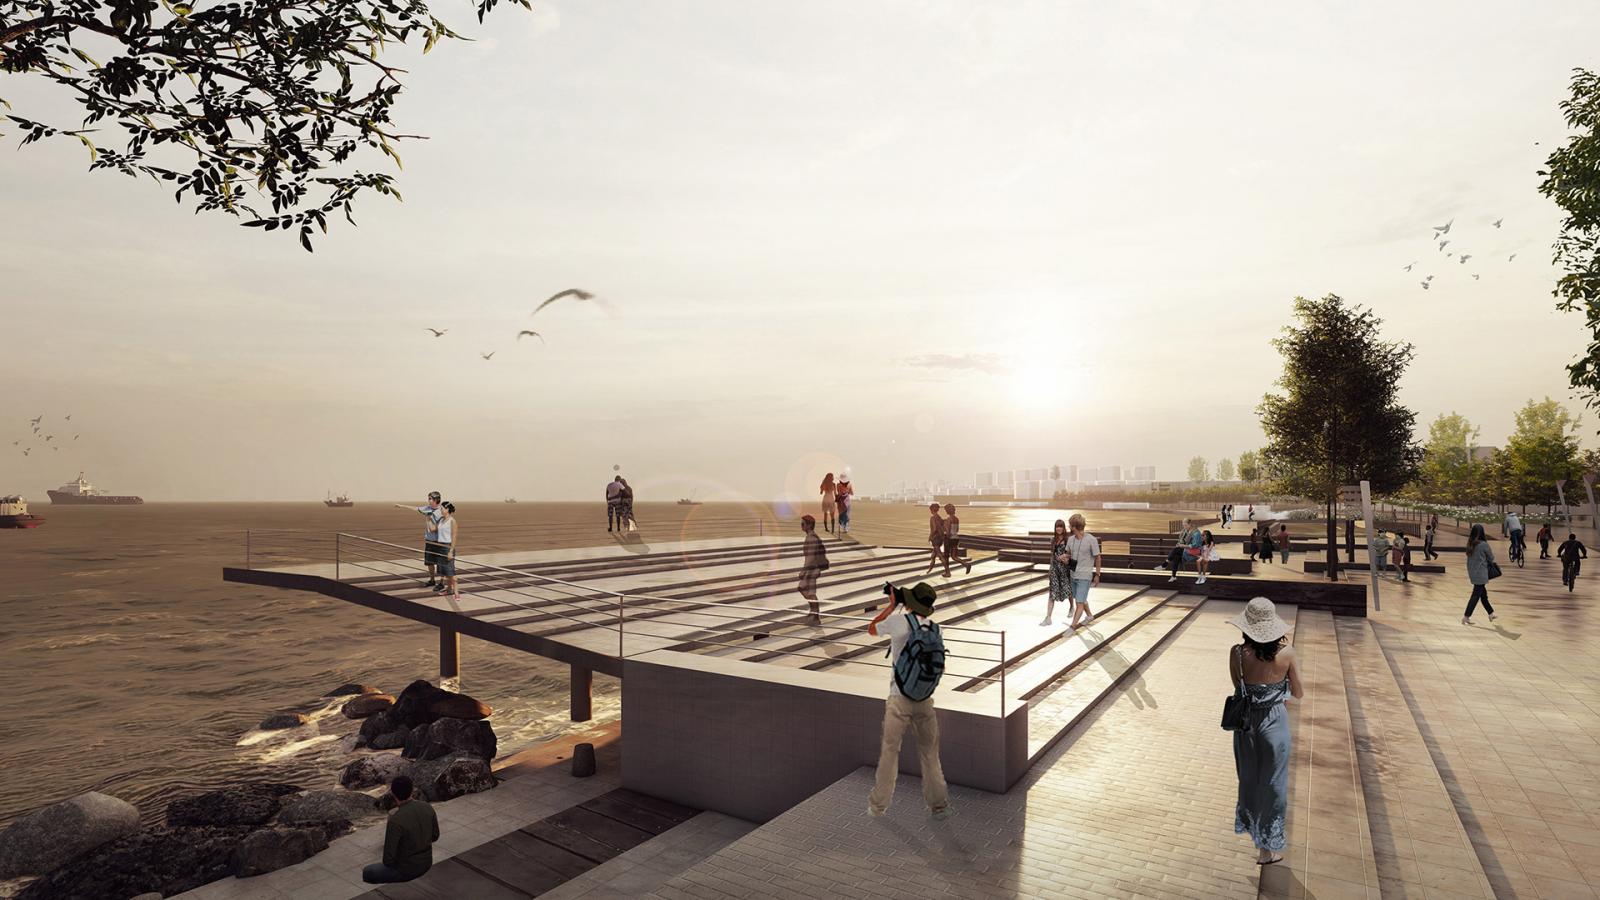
(430, 535)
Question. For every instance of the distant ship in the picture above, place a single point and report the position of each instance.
(687, 502)
(82, 493)
(14, 514)
(511, 499)
(340, 501)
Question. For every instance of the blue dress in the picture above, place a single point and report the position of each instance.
(1261, 757)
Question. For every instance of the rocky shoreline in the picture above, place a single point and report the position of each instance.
(93, 846)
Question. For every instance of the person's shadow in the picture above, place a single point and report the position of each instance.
(631, 541)
(1508, 635)
(1118, 666)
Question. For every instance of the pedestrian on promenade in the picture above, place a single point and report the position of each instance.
(1208, 552)
(449, 533)
(1267, 545)
(828, 493)
(816, 562)
(407, 838)
(1428, 553)
(1400, 553)
(1480, 559)
(1545, 537)
(952, 538)
(430, 536)
(1083, 551)
(1378, 549)
(1282, 543)
(1264, 670)
(1513, 527)
(1250, 513)
(1570, 551)
(917, 649)
(614, 503)
(1223, 515)
(842, 499)
(1060, 571)
(625, 507)
(936, 540)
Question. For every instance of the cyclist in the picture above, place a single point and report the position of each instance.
(1513, 526)
(1570, 552)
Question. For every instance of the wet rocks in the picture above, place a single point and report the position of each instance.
(46, 838)
(452, 776)
(317, 807)
(284, 720)
(366, 705)
(167, 861)
(374, 771)
(378, 725)
(246, 805)
(352, 688)
(446, 736)
(459, 706)
(271, 849)
(421, 703)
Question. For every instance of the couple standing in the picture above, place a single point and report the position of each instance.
(944, 535)
(619, 505)
(1071, 554)
(836, 498)
(439, 543)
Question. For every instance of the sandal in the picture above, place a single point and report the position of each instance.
(1268, 862)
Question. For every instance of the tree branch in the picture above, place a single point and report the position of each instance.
(12, 32)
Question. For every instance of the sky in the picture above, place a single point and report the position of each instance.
(915, 239)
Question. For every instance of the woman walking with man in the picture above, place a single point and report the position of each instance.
(1265, 674)
(828, 501)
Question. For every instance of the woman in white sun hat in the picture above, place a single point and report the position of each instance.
(1263, 668)
(842, 495)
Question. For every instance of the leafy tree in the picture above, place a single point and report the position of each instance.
(1572, 180)
(1446, 468)
(1225, 470)
(1542, 451)
(1338, 418)
(230, 102)
(1199, 469)
(1250, 466)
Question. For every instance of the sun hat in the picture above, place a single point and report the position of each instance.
(918, 599)
(1259, 621)
(844, 476)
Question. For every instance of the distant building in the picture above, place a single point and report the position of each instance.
(985, 479)
(1144, 473)
(1068, 473)
(1110, 473)
(993, 490)
(1004, 479)
(1025, 490)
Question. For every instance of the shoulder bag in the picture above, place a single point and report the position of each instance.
(1235, 704)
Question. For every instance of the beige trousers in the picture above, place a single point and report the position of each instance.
(898, 713)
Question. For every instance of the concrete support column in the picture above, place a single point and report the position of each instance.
(449, 654)
(582, 699)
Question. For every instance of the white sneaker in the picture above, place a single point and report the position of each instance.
(1491, 617)
(1466, 621)
(1045, 623)
(1200, 580)
(1088, 620)
(1172, 579)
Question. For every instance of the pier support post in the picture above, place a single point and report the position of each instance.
(582, 701)
(449, 655)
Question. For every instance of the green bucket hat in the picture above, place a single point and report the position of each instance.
(918, 599)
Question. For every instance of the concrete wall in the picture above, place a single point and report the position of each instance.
(751, 740)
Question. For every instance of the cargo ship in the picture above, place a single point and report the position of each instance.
(14, 514)
(82, 493)
(340, 501)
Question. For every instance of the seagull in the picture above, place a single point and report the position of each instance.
(48, 437)
(1408, 267)
(1497, 222)
(25, 451)
(1465, 257)
(436, 332)
(1430, 277)
(489, 355)
(1424, 285)
(1443, 244)
(55, 448)
(36, 421)
(1449, 255)
(76, 436)
(1475, 276)
(534, 333)
(1511, 257)
(569, 292)
(1445, 228)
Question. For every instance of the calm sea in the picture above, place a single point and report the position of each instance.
(131, 668)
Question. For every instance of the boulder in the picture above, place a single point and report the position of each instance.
(422, 703)
(447, 736)
(392, 740)
(381, 722)
(46, 838)
(166, 861)
(271, 849)
(374, 771)
(318, 807)
(452, 776)
(151, 895)
(284, 720)
(245, 805)
(352, 688)
(365, 705)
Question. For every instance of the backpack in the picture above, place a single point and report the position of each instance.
(921, 661)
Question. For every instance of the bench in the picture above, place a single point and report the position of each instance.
(1223, 566)
(1321, 566)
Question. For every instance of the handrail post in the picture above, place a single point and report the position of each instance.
(1002, 674)
(619, 626)
(247, 564)
(337, 535)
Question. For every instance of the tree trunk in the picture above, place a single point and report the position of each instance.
(1333, 546)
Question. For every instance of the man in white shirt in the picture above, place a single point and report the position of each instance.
(1083, 552)
(432, 553)
(901, 711)
(614, 504)
(1513, 527)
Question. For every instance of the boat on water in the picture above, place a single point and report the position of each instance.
(511, 500)
(338, 502)
(685, 501)
(14, 513)
(82, 493)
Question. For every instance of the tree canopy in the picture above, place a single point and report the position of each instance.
(1446, 470)
(1250, 466)
(257, 110)
(1541, 451)
(1225, 470)
(1199, 469)
(1572, 180)
(1337, 418)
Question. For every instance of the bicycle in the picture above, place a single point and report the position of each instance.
(1518, 554)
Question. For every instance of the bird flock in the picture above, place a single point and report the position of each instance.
(572, 293)
(40, 436)
(1441, 236)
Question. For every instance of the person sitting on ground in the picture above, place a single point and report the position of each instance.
(407, 839)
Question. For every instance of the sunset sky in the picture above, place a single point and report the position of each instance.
(918, 239)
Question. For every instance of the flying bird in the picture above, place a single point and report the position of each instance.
(75, 437)
(1465, 257)
(1408, 267)
(1475, 276)
(437, 333)
(37, 419)
(1445, 228)
(1449, 255)
(1497, 222)
(48, 437)
(534, 333)
(569, 292)
(1430, 278)
(1511, 257)
(1424, 285)
(25, 451)
(1443, 244)
(55, 448)
(489, 355)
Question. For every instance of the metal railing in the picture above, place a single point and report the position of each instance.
(589, 606)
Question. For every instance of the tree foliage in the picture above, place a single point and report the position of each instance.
(1445, 474)
(255, 108)
(1225, 470)
(1541, 451)
(1250, 466)
(1572, 180)
(1199, 469)
(1338, 419)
